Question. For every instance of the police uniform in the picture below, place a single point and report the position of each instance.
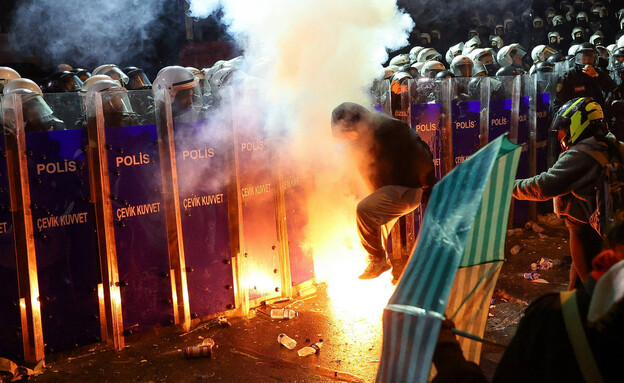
(575, 83)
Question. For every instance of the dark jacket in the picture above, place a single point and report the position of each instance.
(541, 351)
(575, 84)
(393, 154)
(571, 181)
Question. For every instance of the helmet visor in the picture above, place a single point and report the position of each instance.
(463, 70)
(138, 80)
(585, 57)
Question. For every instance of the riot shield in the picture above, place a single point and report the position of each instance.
(14, 121)
(136, 194)
(465, 118)
(253, 151)
(500, 106)
(203, 153)
(426, 114)
(63, 220)
(10, 324)
(544, 88)
(293, 187)
(521, 91)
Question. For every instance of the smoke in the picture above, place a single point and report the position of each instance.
(88, 33)
(315, 55)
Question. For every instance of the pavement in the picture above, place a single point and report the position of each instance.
(246, 350)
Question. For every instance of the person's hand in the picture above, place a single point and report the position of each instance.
(446, 332)
(590, 71)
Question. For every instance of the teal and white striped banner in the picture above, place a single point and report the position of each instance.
(464, 226)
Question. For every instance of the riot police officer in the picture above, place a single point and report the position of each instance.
(583, 80)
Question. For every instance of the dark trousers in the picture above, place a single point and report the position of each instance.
(585, 244)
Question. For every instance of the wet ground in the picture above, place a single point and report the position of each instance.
(247, 350)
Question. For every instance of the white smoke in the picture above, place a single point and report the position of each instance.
(87, 33)
(319, 53)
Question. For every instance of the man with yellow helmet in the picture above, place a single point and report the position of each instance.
(580, 128)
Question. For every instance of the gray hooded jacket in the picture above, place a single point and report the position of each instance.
(571, 181)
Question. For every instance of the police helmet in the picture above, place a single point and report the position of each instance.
(618, 55)
(114, 72)
(82, 73)
(7, 74)
(538, 22)
(137, 79)
(578, 119)
(577, 33)
(400, 60)
(557, 57)
(554, 38)
(425, 38)
(461, 66)
(428, 54)
(557, 20)
(597, 38)
(581, 16)
(62, 81)
(413, 54)
(431, 68)
(509, 70)
(444, 74)
(411, 70)
(92, 80)
(507, 53)
(586, 54)
(542, 53)
(454, 51)
(174, 79)
(21, 84)
(496, 42)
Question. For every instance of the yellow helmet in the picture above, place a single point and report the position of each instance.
(577, 119)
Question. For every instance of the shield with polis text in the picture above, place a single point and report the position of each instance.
(203, 150)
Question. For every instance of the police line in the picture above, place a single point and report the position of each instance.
(107, 229)
(118, 225)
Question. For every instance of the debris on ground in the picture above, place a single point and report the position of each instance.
(515, 250)
(11, 372)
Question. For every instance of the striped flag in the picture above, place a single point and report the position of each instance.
(462, 238)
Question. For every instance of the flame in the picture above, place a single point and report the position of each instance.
(339, 258)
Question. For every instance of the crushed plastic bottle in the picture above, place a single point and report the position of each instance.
(533, 275)
(545, 263)
(311, 349)
(283, 313)
(286, 341)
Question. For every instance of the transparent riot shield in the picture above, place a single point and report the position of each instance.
(294, 184)
(544, 88)
(465, 117)
(500, 110)
(68, 107)
(522, 92)
(403, 234)
(63, 220)
(426, 114)
(203, 154)
(10, 324)
(137, 203)
(24, 256)
(262, 274)
(380, 95)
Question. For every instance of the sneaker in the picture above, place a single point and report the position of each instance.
(375, 269)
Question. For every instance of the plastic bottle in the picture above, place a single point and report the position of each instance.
(286, 341)
(283, 313)
(311, 349)
(533, 275)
